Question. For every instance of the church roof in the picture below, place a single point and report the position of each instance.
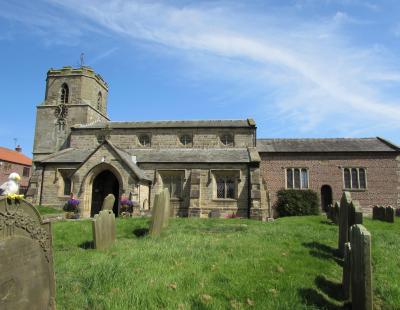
(325, 145)
(171, 124)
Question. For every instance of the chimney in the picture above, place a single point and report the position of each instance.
(18, 148)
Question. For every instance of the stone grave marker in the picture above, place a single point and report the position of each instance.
(346, 276)
(160, 212)
(215, 213)
(361, 269)
(375, 213)
(389, 214)
(381, 213)
(26, 258)
(103, 228)
(108, 202)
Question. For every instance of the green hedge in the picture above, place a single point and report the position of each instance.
(292, 202)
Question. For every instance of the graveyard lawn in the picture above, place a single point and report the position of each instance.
(217, 264)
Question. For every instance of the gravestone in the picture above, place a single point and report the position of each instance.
(108, 202)
(375, 213)
(103, 228)
(160, 212)
(215, 213)
(361, 269)
(389, 214)
(350, 214)
(346, 276)
(381, 213)
(26, 259)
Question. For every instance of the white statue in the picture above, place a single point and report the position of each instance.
(11, 187)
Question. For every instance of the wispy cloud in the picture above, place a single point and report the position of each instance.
(318, 74)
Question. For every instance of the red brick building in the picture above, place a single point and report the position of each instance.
(15, 161)
(369, 168)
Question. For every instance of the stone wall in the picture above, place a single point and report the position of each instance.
(383, 175)
(163, 137)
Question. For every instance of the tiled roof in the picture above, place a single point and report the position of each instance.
(172, 124)
(14, 157)
(325, 145)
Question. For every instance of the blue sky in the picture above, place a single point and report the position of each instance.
(300, 68)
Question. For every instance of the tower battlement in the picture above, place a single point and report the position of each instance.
(81, 71)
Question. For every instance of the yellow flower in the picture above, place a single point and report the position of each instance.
(15, 196)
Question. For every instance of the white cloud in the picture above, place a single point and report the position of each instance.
(319, 75)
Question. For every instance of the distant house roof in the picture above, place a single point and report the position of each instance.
(326, 145)
(14, 157)
(171, 124)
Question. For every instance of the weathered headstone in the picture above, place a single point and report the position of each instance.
(375, 213)
(361, 269)
(103, 228)
(350, 214)
(381, 213)
(344, 221)
(160, 213)
(335, 213)
(215, 213)
(389, 214)
(26, 258)
(346, 276)
(108, 202)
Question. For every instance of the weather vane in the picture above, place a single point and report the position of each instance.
(82, 58)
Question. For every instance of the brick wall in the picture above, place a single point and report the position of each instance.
(383, 175)
(7, 167)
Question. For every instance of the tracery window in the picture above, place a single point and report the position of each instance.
(64, 93)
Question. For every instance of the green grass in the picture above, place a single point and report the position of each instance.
(47, 210)
(217, 264)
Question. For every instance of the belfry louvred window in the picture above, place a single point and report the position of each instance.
(64, 93)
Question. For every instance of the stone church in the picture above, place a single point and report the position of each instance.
(207, 165)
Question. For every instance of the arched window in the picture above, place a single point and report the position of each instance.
(99, 101)
(64, 93)
(186, 140)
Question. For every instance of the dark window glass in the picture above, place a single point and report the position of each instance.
(220, 188)
(230, 188)
(186, 139)
(144, 140)
(67, 186)
(347, 178)
(289, 177)
(296, 178)
(26, 171)
(174, 185)
(354, 178)
(64, 93)
(227, 139)
(304, 178)
(363, 183)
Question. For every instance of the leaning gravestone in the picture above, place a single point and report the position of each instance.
(160, 213)
(103, 227)
(108, 202)
(26, 258)
(361, 269)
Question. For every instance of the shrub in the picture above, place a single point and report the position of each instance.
(293, 202)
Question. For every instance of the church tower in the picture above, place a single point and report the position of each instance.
(73, 96)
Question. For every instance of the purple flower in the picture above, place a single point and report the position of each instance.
(73, 202)
(126, 202)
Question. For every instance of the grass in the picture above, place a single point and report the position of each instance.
(217, 264)
(47, 210)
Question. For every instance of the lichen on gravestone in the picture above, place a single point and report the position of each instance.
(160, 212)
(108, 202)
(103, 228)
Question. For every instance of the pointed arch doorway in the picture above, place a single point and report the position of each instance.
(103, 184)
